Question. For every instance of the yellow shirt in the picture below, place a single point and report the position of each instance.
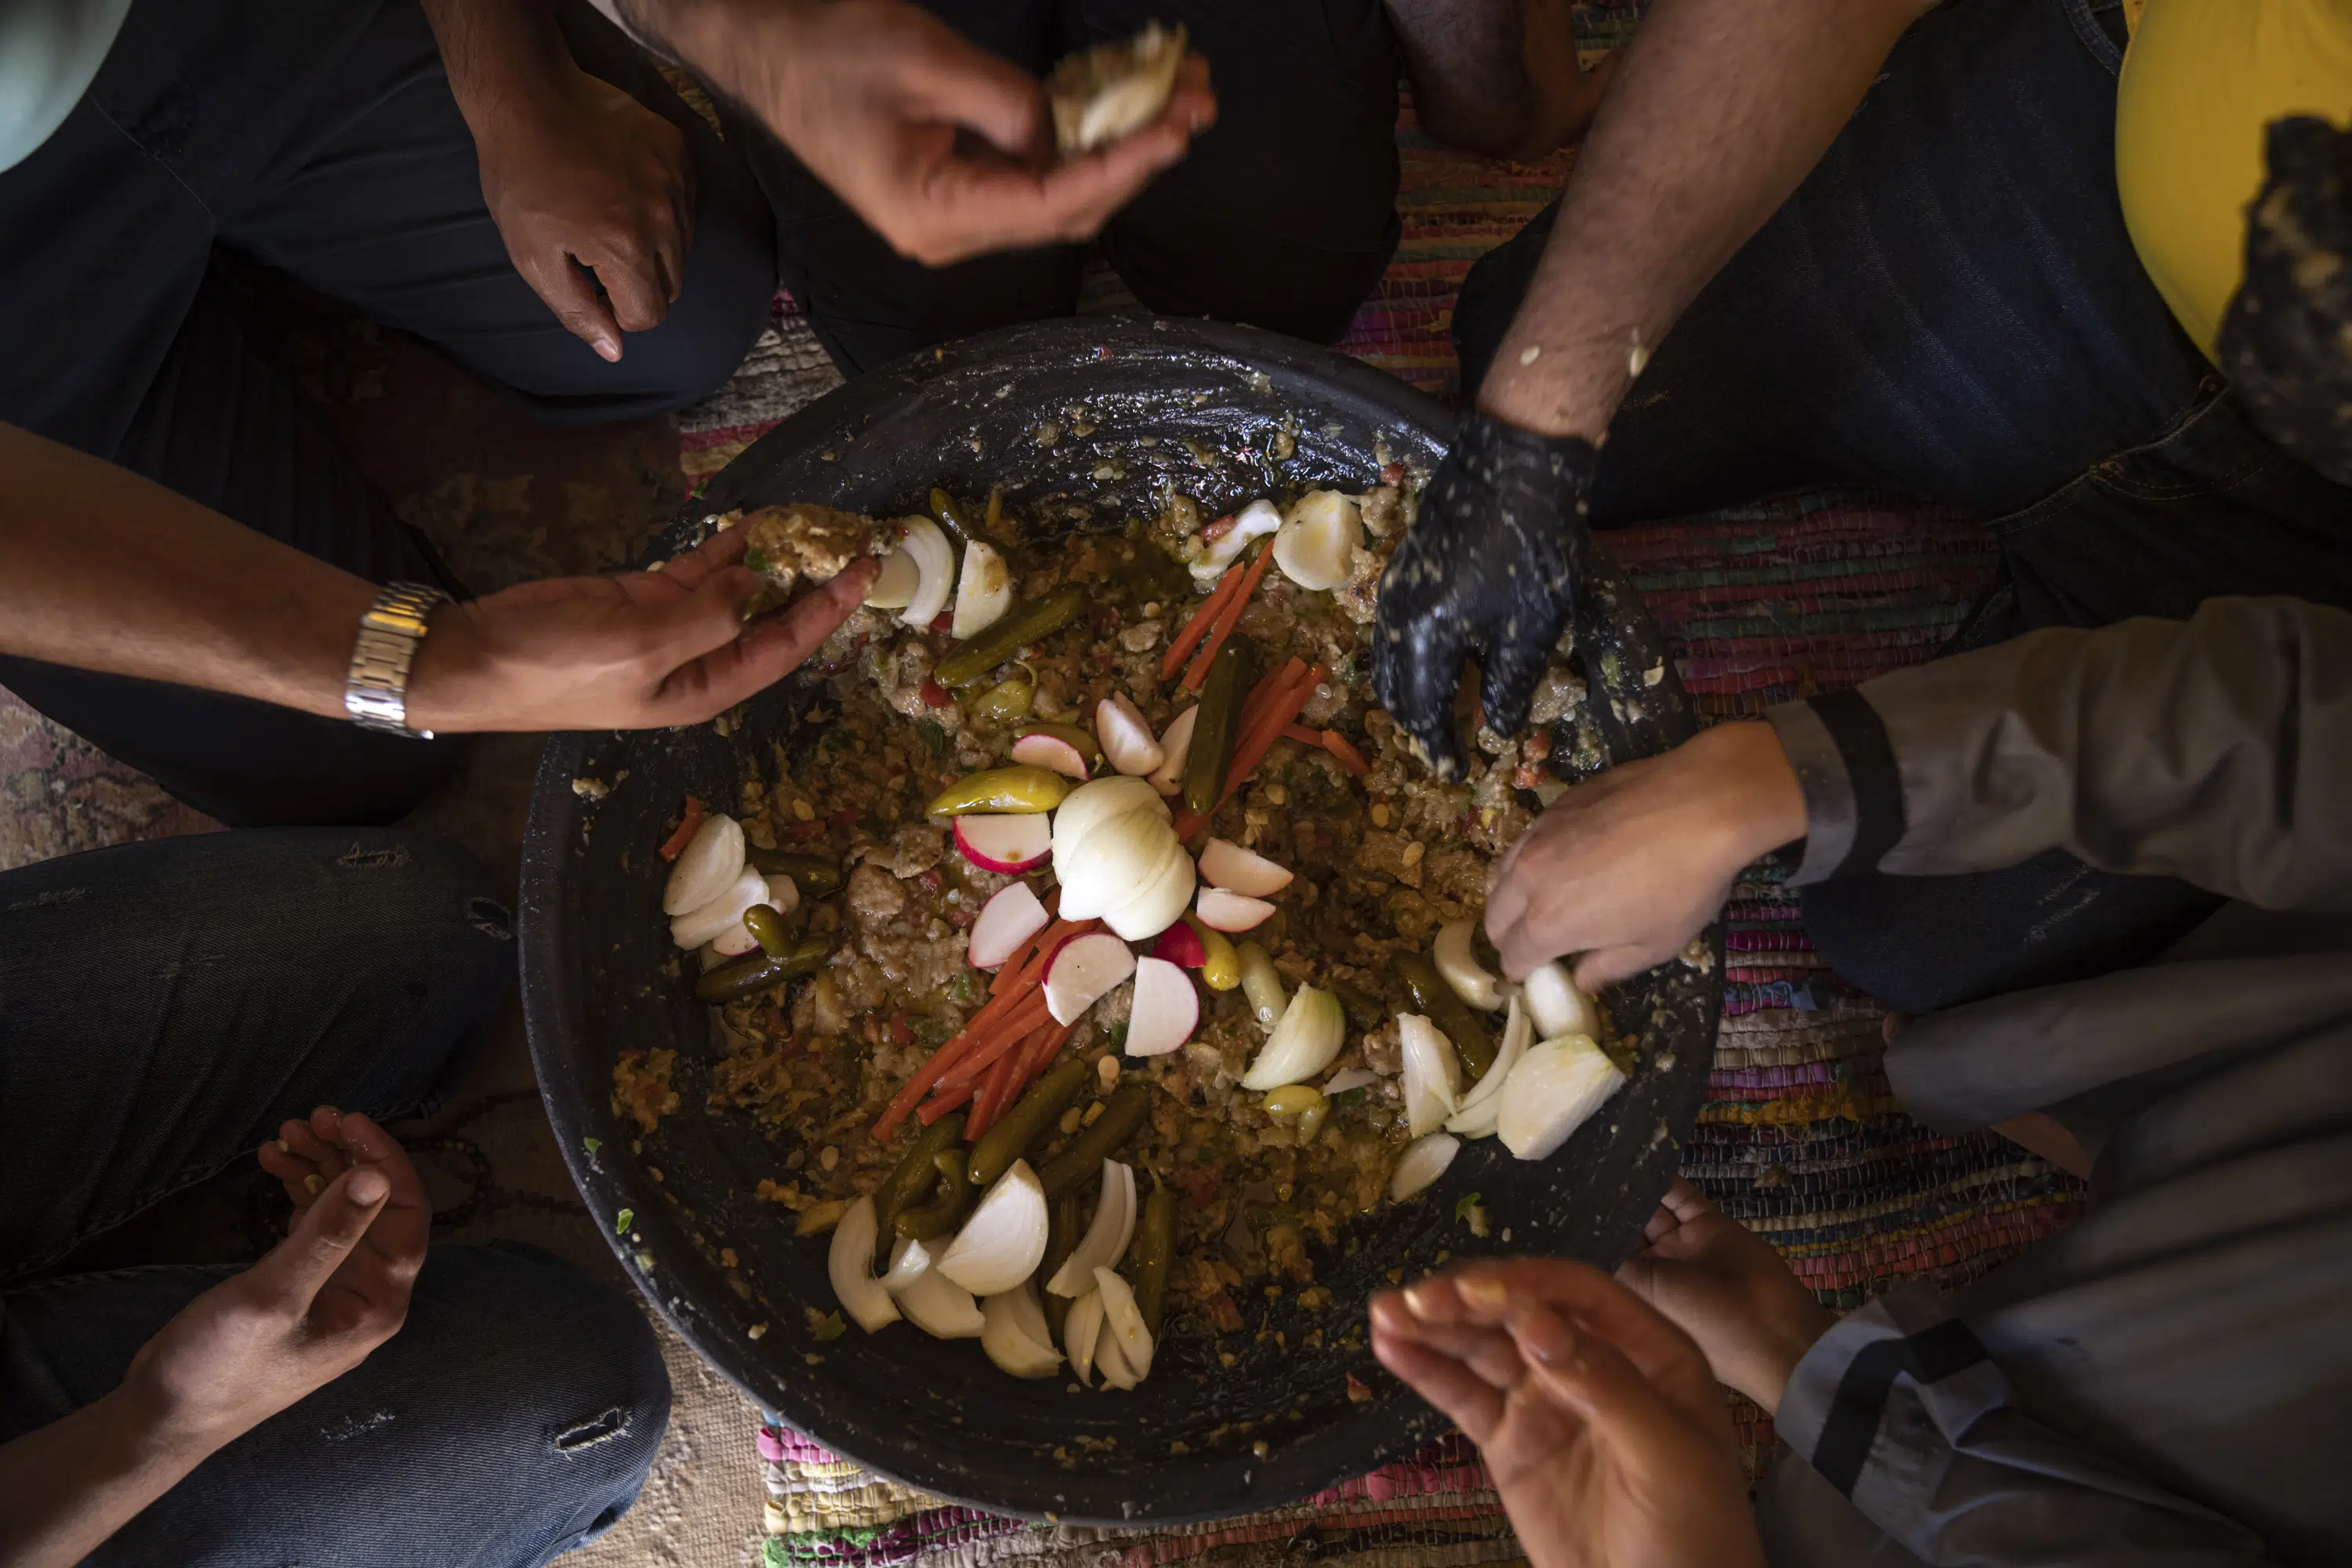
(2201, 80)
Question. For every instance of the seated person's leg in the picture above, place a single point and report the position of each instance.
(165, 1005)
(1284, 214)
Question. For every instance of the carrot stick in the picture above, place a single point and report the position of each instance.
(1269, 687)
(1227, 619)
(1350, 758)
(939, 1105)
(1010, 970)
(687, 825)
(1252, 749)
(975, 1033)
(1197, 626)
(990, 1103)
(1001, 1036)
(1303, 735)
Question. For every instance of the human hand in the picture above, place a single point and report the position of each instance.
(579, 174)
(1627, 867)
(310, 1311)
(1724, 1285)
(1605, 1434)
(943, 148)
(1489, 567)
(635, 652)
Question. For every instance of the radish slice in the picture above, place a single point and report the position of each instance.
(711, 920)
(1108, 1234)
(1116, 1372)
(1313, 1028)
(1180, 945)
(1004, 1241)
(1424, 1160)
(1464, 976)
(1050, 751)
(1175, 746)
(1351, 1078)
(1558, 1007)
(1319, 539)
(895, 587)
(1082, 971)
(1224, 864)
(1005, 922)
(1090, 806)
(734, 941)
(1254, 521)
(1014, 1334)
(1166, 1009)
(1555, 1088)
(909, 1261)
(1082, 1332)
(1125, 738)
(941, 1308)
(1222, 910)
(849, 1263)
(784, 893)
(1123, 1320)
(711, 860)
(1161, 903)
(1433, 1077)
(1116, 864)
(1007, 844)
(1482, 1105)
(983, 593)
(935, 561)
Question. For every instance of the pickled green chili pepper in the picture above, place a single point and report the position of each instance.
(945, 1210)
(911, 1178)
(774, 929)
(1004, 702)
(1155, 1249)
(1076, 737)
(949, 516)
(1013, 791)
(1433, 996)
(1364, 1010)
(1062, 1233)
(1032, 622)
(1261, 984)
(1030, 1119)
(816, 876)
(1213, 729)
(1123, 1114)
(755, 972)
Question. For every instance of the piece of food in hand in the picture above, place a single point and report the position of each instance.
(1557, 1006)
(1114, 89)
(802, 541)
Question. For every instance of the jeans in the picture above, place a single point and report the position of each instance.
(164, 1006)
(1950, 306)
(318, 137)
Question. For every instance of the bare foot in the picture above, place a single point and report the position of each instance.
(1723, 1285)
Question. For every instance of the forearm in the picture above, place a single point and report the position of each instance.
(101, 569)
(1720, 108)
(75, 1482)
(501, 55)
(731, 45)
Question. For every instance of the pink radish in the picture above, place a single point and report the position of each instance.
(1005, 922)
(1222, 910)
(1082, 972)
(1166, 1009)
(1050, 751)
(1180, 945)
(1224, 864)
(1004, 843)
(1125, 739)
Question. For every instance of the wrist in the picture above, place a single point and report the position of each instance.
(1787, 1338)
(1754, 792)
(1552, 390)
(151, 1428)
(447, 673)
(746, 52)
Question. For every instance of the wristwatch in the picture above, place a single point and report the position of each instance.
(375, 693)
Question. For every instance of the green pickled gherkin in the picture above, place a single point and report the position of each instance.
(1123, 1115)
(756, 972)
(816, 876)
(1155, 1252)
(1004, 702)
(1029, 1122)
(1032, 622)
(946, 1210)
(773, 928)
(1213, 728)
(1433, 996)
(912, 1177)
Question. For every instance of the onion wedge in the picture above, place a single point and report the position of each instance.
(1090, 806)
(935, 566)
(1116, 1372)
(1105, 1242)
(983, 592)
(1312, 1030)
(1175, 747)
(1483, 1104)
(1432, 1075)
(909, 1261)
(709, 921)
(1004, 1241)
(1123, 1322)
(710, 863)
(1350, 1078)
(941, 1308)
(1319, 539)
(1161, 902)
(894, 587)
(1464, 976)
(849, 1262)
(1424, 1160)
(1126, 739)
(1556, 1006)
(1252, 522)
(1082, 1332)
(1555, 1088)
(1016, 1336)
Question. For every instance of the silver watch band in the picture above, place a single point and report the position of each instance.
(375, 693)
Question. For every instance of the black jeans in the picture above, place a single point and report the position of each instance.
(163, 1007)
(320, 137)
(1951, 306)
(1283, 216)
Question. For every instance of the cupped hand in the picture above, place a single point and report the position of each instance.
(1490, 569)
(634, 651)
(946, 150)
(1625, 868)
(1605, 1434)
(581, 179)
(312, 1310)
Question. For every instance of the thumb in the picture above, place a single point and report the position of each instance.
(325, 1234)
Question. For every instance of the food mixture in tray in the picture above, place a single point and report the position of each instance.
(1110, 947)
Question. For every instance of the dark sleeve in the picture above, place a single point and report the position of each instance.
(2215, 750)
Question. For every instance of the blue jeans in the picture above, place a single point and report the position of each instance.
(164, 1006)
(1950, 306)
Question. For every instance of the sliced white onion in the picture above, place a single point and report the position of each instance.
(1116, 1372)
(1432, 1076)
(1254, 521)
(1312, 1030)
(941, 1308)
(1015, 1334)
(934, 564)
(849, 1262)
(1125, 738)
(983, 592)
(709, 921)
(1164, 1010)
(1318, 540)
(1483, 1104)
(1105, 1242)
(1224, 864)
(1123, 1320)
(1161, 902)
(1091, 804)
(1464, 976)
(894, 587)
(1424, 1160)
(1009, 919)
(1556, 1087)
(1350, 1079)
(1175, 748)
(1082, 972)
(1556, 1006)
(1082, 1332)
(909, 1261)
(1116, 864)
(711, 860)
(1003, 1241)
